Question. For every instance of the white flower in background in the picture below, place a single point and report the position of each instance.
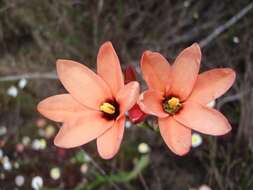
(236, 40)
(143, 148)
(204, 187)
(128, 124)
(43, 144)
(1, 153)
(196, 140)
(211, 104)
(19, 180)
(39, 144)
(6, 163)
(16, 165)
(26, 140)
(22, 83)
(37, 182)
(186, 4)
(49, 131)
(36, 144)
(3, 130)
(12, 91)
(55, 173)
(84, 168)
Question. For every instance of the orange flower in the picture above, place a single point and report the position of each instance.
(95, 106)
(178, 96)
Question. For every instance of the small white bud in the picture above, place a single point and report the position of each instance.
(204, 187)
(12, 91)
(26, 140)
(3, 130)
(37, 182)
(6, 163)
(84, 168)
(186, 4)
(22, 83)
(36, 144)
(236, 40)
(128, 124)
(196, 140)
(143, 148)
(19, 180)
(55, 173)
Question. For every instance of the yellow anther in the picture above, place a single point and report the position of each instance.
(174, 102)
(172, 105)
(107, 108)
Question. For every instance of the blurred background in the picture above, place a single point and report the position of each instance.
(33, 34)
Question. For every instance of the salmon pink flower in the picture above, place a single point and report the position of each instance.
(95, 106)
(178, 96)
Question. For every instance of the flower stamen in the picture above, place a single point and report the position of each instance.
(172, 105)
(107, 108)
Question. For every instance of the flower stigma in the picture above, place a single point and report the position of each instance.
(172, 105)
(107, 108)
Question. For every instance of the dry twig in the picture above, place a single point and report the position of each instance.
(226, 25)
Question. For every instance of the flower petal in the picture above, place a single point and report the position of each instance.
(82, 128)
(108, 67)
(211, 85)
(135, 114)
(82, 83)
(151, 103)
(203, 119)
(60, 107)
(176, 136)
(128, 96)
(108, 143)
(129, 74)
(156, 71)
(185, 71)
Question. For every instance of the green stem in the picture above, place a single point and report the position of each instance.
(121, 177)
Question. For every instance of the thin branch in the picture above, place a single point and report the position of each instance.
(101, 170)
(143, 181)
(219, 30)
(50, 75)
(231, 98)
(7, 7)
(226, 25)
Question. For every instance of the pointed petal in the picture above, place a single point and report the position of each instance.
(108, 67)
(135, 114)
(176, 136)
(211, 85)
(60, 107)
(81, 129)
(128, 96)
(82, 83)
(185, 71)
(151, 103)
(129, 74)
(203, 119)
(156, 71)
(108, 143)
